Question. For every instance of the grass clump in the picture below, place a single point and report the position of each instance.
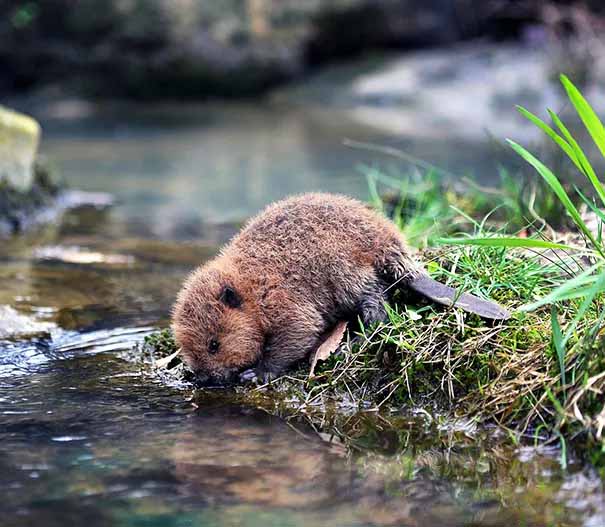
(571, 401)
(542, 372)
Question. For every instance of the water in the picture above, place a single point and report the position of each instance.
(177, 167)
(86, 437)
(90, 436)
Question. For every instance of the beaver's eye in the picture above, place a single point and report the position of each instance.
(213, 347)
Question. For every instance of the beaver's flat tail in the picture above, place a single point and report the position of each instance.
(448, 296)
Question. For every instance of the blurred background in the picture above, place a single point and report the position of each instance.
(200, 112)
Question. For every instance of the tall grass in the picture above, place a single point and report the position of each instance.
(591, 282)
(427, 206)
(576, 342)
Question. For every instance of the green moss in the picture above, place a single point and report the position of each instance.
(160, 344)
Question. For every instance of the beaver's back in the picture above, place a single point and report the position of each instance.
(313, 242)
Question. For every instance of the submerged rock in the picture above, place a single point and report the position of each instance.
(19, 138)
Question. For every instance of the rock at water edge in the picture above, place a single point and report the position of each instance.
(19, 138)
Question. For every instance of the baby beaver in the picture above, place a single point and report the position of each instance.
(295, 270)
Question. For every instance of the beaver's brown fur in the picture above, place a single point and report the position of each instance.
(274, 291)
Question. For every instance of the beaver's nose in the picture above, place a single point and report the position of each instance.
(213, 380)
(201, 379)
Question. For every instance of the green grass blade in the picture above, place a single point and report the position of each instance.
(375, 198)
(584, 164)
(598, 212)
(558, 189)
(558, 342)
(562, 143)
(578, 294)
(574, 288)
(563, 448)
(379, 177)
(597, 288)
(497, 241)
(590, 119)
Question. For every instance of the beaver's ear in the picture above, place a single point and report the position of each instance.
(230, 297)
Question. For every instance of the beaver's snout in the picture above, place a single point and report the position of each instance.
(205, 380)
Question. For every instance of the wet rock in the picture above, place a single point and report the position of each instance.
(43, 203)
(20, 209)
(27, 191)
(14, 324)
(19, 138)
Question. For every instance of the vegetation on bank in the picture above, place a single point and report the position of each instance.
(538, 249)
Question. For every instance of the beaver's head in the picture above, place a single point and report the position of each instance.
(216, 327)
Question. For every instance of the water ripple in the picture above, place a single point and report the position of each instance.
(27, 357)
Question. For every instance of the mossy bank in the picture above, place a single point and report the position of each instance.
(439, 360)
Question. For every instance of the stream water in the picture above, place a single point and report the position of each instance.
(90, 437)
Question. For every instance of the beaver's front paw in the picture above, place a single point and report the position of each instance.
(256, 376)
(249, 376)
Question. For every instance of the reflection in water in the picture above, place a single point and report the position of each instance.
(89, 435)
(229, 455)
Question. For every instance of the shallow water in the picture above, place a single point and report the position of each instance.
(176, 167)
(90, 436)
